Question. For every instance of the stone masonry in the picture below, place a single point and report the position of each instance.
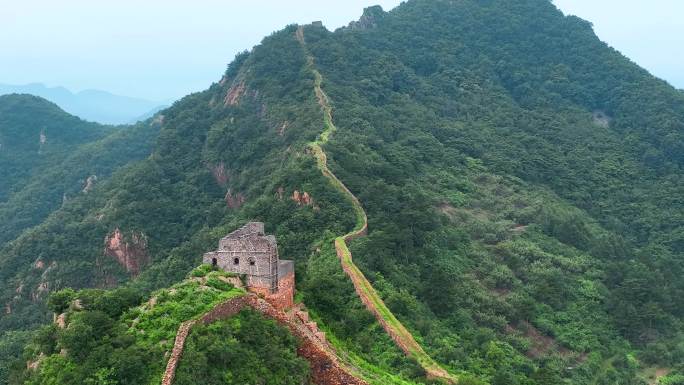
(249, 252)
(326, 367)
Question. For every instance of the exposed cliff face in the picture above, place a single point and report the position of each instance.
(234, 93)
(220, 173)
(130, 252)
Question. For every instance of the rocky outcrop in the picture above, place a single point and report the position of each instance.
(130, 252)
(302, 199)
(33, 365)
(601, 119)
(40, 292)
(234, 93)
(234, 201)
(370, 18)
(89, 183)
(41, 141)
(60, 321)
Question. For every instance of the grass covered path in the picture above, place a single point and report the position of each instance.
(401, 336)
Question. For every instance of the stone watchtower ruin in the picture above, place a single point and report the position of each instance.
(249, 252)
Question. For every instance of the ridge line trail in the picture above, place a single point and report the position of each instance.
(370, 298)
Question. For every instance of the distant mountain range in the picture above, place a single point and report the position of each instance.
(93, 105)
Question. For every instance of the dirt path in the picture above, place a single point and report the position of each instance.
(370, 298)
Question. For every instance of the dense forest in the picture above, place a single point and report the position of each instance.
(48, 157)
(522, 182)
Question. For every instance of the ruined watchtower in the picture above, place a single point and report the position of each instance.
(249, 252)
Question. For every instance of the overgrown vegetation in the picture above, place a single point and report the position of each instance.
(406, 340)
(112, 337)
(245, 349)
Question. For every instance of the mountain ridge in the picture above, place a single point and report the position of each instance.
(90, 104)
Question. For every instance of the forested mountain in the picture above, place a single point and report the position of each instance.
(92, 105)
(47, 157)
(27, 122)
(522, 182)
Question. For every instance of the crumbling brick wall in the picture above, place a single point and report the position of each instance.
(326, 368)
(224, 310)
(177, 352)
(221, 311)
(284, 298)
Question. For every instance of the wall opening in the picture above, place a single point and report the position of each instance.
(236, 261)
(214, 262)
(252, 262)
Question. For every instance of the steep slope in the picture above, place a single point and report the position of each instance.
(521, 182)
(35, 133)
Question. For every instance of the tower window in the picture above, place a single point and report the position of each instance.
(236, 261)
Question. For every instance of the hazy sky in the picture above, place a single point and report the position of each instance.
(160, 49)
(650, 32)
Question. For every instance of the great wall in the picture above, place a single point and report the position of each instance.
(251, 256)
(370, 298)
(326, 367)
